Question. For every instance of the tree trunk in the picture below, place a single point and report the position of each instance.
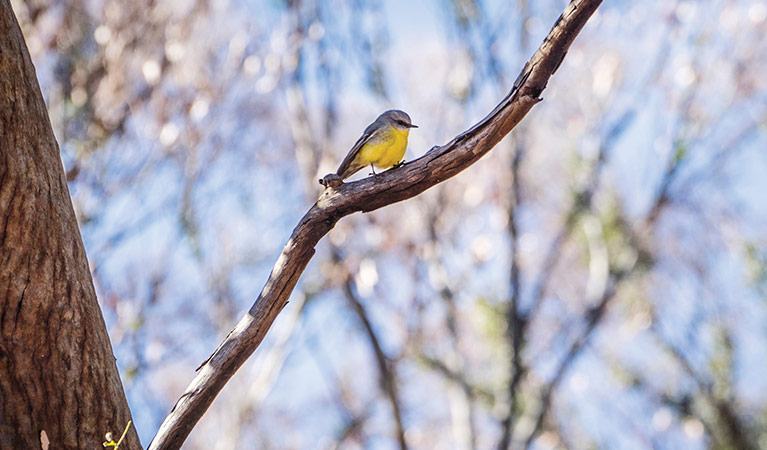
(59, 384)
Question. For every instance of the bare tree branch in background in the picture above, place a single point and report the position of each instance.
(451, 365)
(387, 374)
(515, 317)
(519, 318)
(728, 428)
(439, 164)
(597, 312)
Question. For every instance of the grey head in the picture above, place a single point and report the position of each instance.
(398, 119)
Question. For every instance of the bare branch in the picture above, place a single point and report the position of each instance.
(407, 181)
(618, 276)
(386, 368)
(516, 321)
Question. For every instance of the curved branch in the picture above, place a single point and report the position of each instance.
(407, 181)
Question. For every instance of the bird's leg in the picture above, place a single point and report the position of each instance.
(399, 164)
(373, 169)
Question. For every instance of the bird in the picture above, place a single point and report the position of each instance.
(381, 145)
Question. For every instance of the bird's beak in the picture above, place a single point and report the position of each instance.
(413, 126)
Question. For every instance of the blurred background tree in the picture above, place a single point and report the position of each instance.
(598, 280)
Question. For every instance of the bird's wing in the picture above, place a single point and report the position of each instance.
(346, 169)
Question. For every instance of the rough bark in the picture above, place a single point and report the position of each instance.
(407, 181)
(59, 384)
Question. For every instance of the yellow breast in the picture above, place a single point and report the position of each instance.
(387, 151)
